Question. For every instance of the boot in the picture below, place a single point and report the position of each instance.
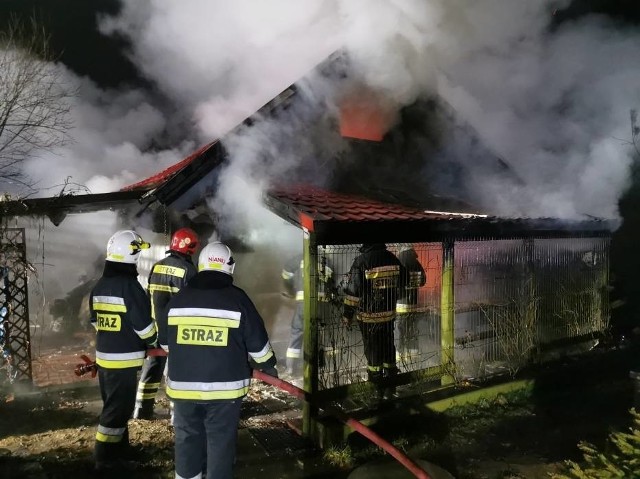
(143, 412)
(294, 368)
(389, 391)
(375, 378)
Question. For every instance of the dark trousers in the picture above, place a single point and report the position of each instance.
(407, 324)
(150, 379)
(296, 337)
(118, 391)
(206, 433)
(379, 348)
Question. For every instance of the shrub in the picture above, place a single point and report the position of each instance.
(620, 458)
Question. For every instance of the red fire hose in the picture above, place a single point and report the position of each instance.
(295, 391)
(357, 426)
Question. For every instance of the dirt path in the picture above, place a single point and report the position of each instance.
(520, 436)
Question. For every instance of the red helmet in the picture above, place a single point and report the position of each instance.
(185, 241)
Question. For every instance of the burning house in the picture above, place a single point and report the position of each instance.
(500, 293)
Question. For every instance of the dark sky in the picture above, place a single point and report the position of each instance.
(72, 25)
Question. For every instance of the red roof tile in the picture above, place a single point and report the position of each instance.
(338, 218)
(321, 205)
(166, 174)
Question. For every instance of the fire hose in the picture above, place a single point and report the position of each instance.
(91, 367)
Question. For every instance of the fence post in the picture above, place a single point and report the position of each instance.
(310, 345)
(447, 312)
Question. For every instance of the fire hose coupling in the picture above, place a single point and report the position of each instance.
(88, 366)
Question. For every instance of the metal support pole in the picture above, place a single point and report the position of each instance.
(310, 365)
(447, 313)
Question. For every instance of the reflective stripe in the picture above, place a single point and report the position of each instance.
(163, 288)
(408, 308)
(374, 369)
(206, 312)
(109, 303)
(415, 279)
(120, 360)
(169, 270)
(207, 391)
(148, 331)
(263, 355)
(197, 476)
(376, 317)
(294, 353)
(109, 434)
(144, 386)
(203, 321)
(149, 395)
(287, 275)
(204, 317)
(382, 272)
(351, 300)
(116, 364)
(321, 296)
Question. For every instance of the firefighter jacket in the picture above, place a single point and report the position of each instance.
(121, 314)
(293, 277)
(408, 295)
(167, 277)
(210, 329)
(375, 277)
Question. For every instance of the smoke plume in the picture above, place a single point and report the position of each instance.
(551, 100)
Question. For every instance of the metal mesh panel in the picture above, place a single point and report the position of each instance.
(512, 298)
(341, 352)
(15, 342)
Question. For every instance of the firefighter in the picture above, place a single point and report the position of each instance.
(167, 277)
(407, 308)
(370, 297)
(211, 331)
(293, 277)
(121, 314)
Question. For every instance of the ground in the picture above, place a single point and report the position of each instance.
(517, 436)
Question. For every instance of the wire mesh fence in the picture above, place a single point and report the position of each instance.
(513, 298)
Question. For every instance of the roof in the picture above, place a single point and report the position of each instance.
(57, 207)
(338, 218)
(164, 175)
(171, 183)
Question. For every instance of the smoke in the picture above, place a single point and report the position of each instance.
(551, 99)
(112, 142)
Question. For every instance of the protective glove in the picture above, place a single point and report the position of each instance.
(272, 371)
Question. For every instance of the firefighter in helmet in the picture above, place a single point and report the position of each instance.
(121, 314)
(167, 277)
(370, 297)
(293, 278)
(211, 331)
(407, 308)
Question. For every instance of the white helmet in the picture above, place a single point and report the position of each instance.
(125, 247)
(216, 257)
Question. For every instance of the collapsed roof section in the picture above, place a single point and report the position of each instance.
(349, 219)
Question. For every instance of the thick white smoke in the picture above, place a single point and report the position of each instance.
(553, 103)
(111, 143)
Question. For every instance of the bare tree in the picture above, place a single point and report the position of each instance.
(34, 100)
